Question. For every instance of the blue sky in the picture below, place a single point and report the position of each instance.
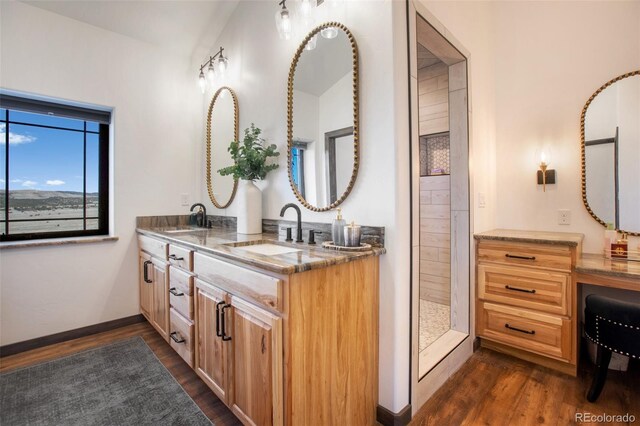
(47, 159)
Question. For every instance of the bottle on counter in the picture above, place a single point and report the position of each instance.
(337, 229)
(352, 235)
(610, 237)
(620, 249)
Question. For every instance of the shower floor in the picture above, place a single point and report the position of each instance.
(435, 320)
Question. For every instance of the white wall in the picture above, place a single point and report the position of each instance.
(258, 70)
(532, 71)
(156, 122)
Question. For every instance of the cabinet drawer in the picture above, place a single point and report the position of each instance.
(152, 246)
(260, 288)
(181, 336)
(525, 254)
(181, 292)
(544, 334)
(533, 289)
(181, 257)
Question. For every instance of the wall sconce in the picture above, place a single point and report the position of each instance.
(223, 62)
(546, 176)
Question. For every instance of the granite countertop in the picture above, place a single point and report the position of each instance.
(597, 264)
(226, 243)
(540, 237)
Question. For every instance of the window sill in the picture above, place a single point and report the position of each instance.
(56, 242)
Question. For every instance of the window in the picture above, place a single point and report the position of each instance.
(54, 170)
(297, 165)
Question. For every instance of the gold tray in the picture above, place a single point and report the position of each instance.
(330, 245)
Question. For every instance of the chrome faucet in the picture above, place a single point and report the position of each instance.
(202, 223)
(297, 209)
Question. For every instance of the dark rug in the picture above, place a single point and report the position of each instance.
(120, 384)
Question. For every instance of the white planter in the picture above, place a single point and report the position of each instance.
(249, 209)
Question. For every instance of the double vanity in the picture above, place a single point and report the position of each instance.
(282, 333)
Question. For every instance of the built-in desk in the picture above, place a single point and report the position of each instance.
(597, 270)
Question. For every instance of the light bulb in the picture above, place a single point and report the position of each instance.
(211, 74)
(543, 158)
(329, 32)
(202, 81)
(305, 8)
(311, 44)
(283, 23)
(222, 64)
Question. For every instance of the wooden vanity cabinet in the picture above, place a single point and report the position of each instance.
(526, 302)
(154, 292)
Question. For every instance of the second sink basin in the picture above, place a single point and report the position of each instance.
(268, 249)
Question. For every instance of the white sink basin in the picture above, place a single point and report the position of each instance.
(268, 249)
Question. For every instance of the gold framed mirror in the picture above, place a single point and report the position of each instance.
(222, 129)
(610, 153)
(323, 117)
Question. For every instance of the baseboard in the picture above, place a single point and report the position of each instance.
(27, 345)
(389, 418)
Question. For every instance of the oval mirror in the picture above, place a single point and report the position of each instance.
(322, 117)
(610, 136)
(222, 129)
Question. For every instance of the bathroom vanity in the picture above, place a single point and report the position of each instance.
(527, 294)
(281, 333)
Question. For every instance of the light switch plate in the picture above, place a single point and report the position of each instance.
(184, 199)
(482, 202)
(564, 217)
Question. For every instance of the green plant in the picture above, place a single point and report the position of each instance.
(250, 156)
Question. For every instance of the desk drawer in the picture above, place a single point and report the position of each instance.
(260, 288)
(181, 257)
(544, 334)
(547, 256)
(524, 287)
(152, 246)
(181, 292)
(181, 332)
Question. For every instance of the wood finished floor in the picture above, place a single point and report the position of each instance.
(496, 389)
(490, 389)
(210, 405)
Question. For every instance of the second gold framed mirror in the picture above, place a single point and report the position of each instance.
(323, 117)
(222, 129)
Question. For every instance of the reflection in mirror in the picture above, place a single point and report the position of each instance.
(611, 149)
(323, 143)
(222, 129)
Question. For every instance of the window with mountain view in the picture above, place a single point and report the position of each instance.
(54, 165)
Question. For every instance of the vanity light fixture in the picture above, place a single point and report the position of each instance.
(546, 176)
(329, 32)
(283, 21)
(223, 61)
(311, 44)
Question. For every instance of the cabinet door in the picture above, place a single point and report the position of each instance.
(211, 350)
(256, 396)
(160, 316)
(146, 285)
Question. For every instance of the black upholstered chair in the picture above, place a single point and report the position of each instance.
(614, 326)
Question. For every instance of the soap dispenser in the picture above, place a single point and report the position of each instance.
(337, 229)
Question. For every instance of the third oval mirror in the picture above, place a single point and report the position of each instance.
(323, 117)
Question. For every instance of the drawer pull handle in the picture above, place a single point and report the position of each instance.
(515, 256)
(519, 329)
(222, 326)
(175, 338)
(174, 257)
(524, 290)
(146, 272)
(218, 332)
(173, 291)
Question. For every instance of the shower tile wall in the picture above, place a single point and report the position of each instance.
(435, 239)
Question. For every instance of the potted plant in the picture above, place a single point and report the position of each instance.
(250, 164)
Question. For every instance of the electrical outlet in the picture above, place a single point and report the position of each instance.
(564, 217)
(184, 199)
(482, 202)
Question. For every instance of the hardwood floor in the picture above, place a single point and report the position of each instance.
(496, 389)
(490, 389)
(210, 405)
